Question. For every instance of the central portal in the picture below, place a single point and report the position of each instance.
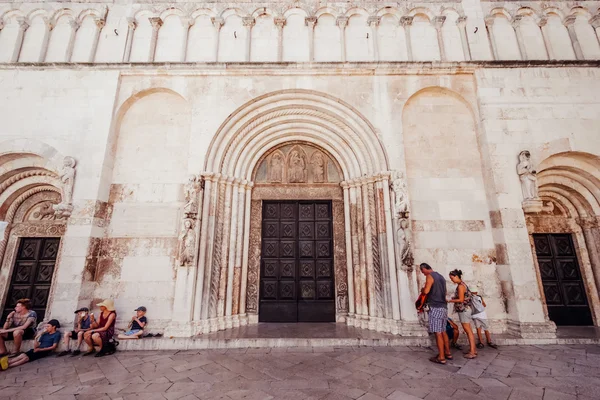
(296, 266)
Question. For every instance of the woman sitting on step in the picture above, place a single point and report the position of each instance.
(103, 330)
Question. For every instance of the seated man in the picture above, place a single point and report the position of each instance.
(136, 326)
(43, 346)
(19, 326)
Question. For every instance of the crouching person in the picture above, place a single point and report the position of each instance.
(136, 326)
(43, 345)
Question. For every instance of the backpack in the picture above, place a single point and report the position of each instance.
(477, 304)
(110, 347)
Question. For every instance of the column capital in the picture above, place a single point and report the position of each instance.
(461, 21)
(406, 21)
(516, 21)
(156, 23)
(373, 21)
(310, 21)
(131, 23)
(543, 21)
(595, 21)
(280, 22)
(218, 22)
(489, 21)
(23, 25)
(438, 21)
(570, 20)
(187, 22)
(100, 23)
(248, 21)
(74, 24)
(342, 22)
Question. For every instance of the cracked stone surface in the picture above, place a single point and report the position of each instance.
(365, 373)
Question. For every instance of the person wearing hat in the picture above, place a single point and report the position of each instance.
(43, 345)
(103, 330)
(136, 325)
(83, 324)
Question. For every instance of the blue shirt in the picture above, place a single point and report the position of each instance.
(85, 323)
(49, 339)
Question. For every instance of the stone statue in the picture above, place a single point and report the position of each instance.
(187, 243)
(318, 167)
(297, 168)
(400, 192)
(67, 180)
(404, 245)
(276, 168)
(527, 175)
(192, 189)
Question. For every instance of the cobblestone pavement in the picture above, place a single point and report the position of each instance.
(395, 373)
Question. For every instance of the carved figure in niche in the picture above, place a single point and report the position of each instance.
(192, 189)
(276, 168)
(400, 193)
(318, 167)
(67, 180)
(404, 245)
(527, 175)
(187, 243)
(297, 167)
(43, 212)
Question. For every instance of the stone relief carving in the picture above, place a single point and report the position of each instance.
(40, 229)
(67, 181)
(527, 175)
(297, 167)
(43, 212)
(187, 243)
(192, 191)
(276, 167)
(400, 193)
(404, 245)
(319, 167)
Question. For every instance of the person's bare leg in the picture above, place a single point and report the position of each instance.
(479, 335)
(488, 336)
(439, 340)
(66, 341)
(79, 340)
(455, 336)
(18, 339)
(447, 346)
(2, 345)
(471, 337)
(88, 340)
(97, 340)
(18, 360)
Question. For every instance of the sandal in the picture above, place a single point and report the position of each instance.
(437, 361)
(480, 345)
(449, 357)
(492, 345)
(470, 356)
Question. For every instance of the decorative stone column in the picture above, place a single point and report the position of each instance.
(406, 22)
(280, 23)
(547, 42)
(218, 23)
(100, 23)
(438, 23)
(374, 24)
(156, 23)
(187, 25)
(570, 24)
(46, 39)
(131, 25)
(342, 22)
(311, 22)
(74, 28)
(349, 259)
(595, 23)
(489, 24)
(461, 22)
(590, 227)
(516, 24)
(249, 24)
(23, 26)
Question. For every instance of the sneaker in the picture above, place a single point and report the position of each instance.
(76, 353)
(63, 353)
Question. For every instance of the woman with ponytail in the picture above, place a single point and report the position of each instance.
(462, 302)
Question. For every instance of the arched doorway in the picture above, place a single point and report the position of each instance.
(227, 279)
(565, 237)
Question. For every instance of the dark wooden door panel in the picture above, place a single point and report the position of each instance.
(297, 280)
(563, 285)
(32, 274)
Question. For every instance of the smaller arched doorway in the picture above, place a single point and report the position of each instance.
(565, 237)
(301, 223)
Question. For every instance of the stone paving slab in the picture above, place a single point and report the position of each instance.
(569, 372)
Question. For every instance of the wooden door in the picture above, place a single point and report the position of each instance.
(297, 276)
(32, 274)
(561, 278)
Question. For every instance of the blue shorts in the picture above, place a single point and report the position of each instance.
(133, 332)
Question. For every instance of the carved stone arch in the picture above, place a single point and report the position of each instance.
(226, 13)
(58, 14)
(51, 158)
(10, 14)
(421, 11)
(356, 10)
(328, 10)
(39, 12)
(389, 10)
(203, 11)
(500, 11)
(296, 9)
(90, 12)
(259, 12)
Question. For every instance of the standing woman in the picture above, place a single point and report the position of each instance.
(103, 330)
(462, 301)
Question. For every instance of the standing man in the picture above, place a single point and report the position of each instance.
(435, 290)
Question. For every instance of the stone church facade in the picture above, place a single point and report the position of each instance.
(230, 163)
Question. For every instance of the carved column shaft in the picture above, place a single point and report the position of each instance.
(360, 290)
(223, 240)
(245, 250)
(311, 22)
(23, 26)
(131, 25)
(46, 40)
(218, 23)
(570, 24)
(248, 23)
(100, 23)
(342, 22)
(69, 51)
(239, 241)
(517, 21)
(280, 23)
(407, 23)
(489, 24)
(232, 246)
(156, 23)
(374, 24)
(462, 27)
(349, 262)
(595, 23)
(438, 23)
(390, 248)
(187, 25)
(211, 195)
(547, 42)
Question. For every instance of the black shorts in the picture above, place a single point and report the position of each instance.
(29, 334)
(73, 335)
(32, 355)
